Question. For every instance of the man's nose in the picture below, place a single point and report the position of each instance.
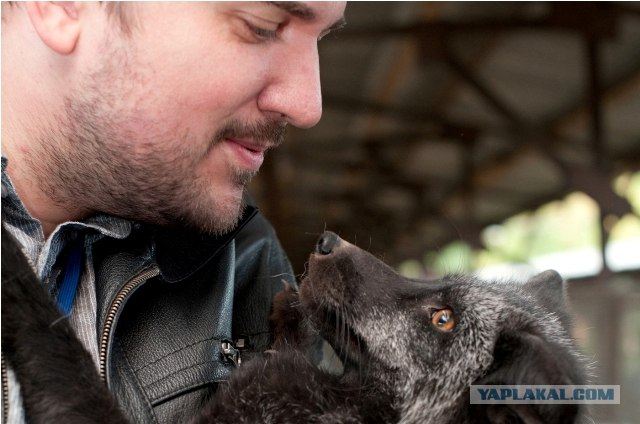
(294, 93)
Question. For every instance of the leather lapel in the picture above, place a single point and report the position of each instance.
(181, 252)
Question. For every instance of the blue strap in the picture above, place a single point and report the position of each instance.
(71, 277)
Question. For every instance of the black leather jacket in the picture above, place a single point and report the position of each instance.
(167, 302)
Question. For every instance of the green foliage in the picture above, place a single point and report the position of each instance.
(567, 224)
(628, 186)
(455, 257)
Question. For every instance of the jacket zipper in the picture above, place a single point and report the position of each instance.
(114, 309)
(5, 392)
(232, 350)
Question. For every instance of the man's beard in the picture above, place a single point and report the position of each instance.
(88, 164)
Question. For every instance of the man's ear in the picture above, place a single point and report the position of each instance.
(56, 23)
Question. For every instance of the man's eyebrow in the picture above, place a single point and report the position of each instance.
(304, 12)
(295, 8)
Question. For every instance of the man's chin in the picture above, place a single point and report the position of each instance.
(204, 207)
(220, 218)
(242, 178)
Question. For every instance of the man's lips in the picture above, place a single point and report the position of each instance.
(254, 146)
(248, 153)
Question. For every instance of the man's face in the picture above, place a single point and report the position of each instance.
(169, 123)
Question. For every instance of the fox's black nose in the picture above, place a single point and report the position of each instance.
(326, 243)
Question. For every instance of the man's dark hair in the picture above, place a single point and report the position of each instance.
(123, 13)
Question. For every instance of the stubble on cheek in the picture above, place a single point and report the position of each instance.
(102, 165)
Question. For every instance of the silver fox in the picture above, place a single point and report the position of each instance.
(410, 348)
(430, 340)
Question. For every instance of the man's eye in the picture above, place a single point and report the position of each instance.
(262, 33)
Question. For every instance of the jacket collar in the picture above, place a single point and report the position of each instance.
(180, 252)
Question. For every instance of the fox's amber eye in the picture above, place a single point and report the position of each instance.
(443, 320)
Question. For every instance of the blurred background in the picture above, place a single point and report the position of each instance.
(496, 138)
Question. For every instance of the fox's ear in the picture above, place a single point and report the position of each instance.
(526, 359)
(548, 288)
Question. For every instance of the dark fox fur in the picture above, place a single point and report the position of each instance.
(58, 379)
(401, 363)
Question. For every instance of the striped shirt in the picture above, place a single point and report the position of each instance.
(47, 256)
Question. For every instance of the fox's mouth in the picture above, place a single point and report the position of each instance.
(332, 319)
(329, 300)
(345, 341)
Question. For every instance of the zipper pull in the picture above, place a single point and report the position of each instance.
(231, 351)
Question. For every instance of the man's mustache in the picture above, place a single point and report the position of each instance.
(267, 133)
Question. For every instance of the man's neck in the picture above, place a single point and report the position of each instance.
(39, 204)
